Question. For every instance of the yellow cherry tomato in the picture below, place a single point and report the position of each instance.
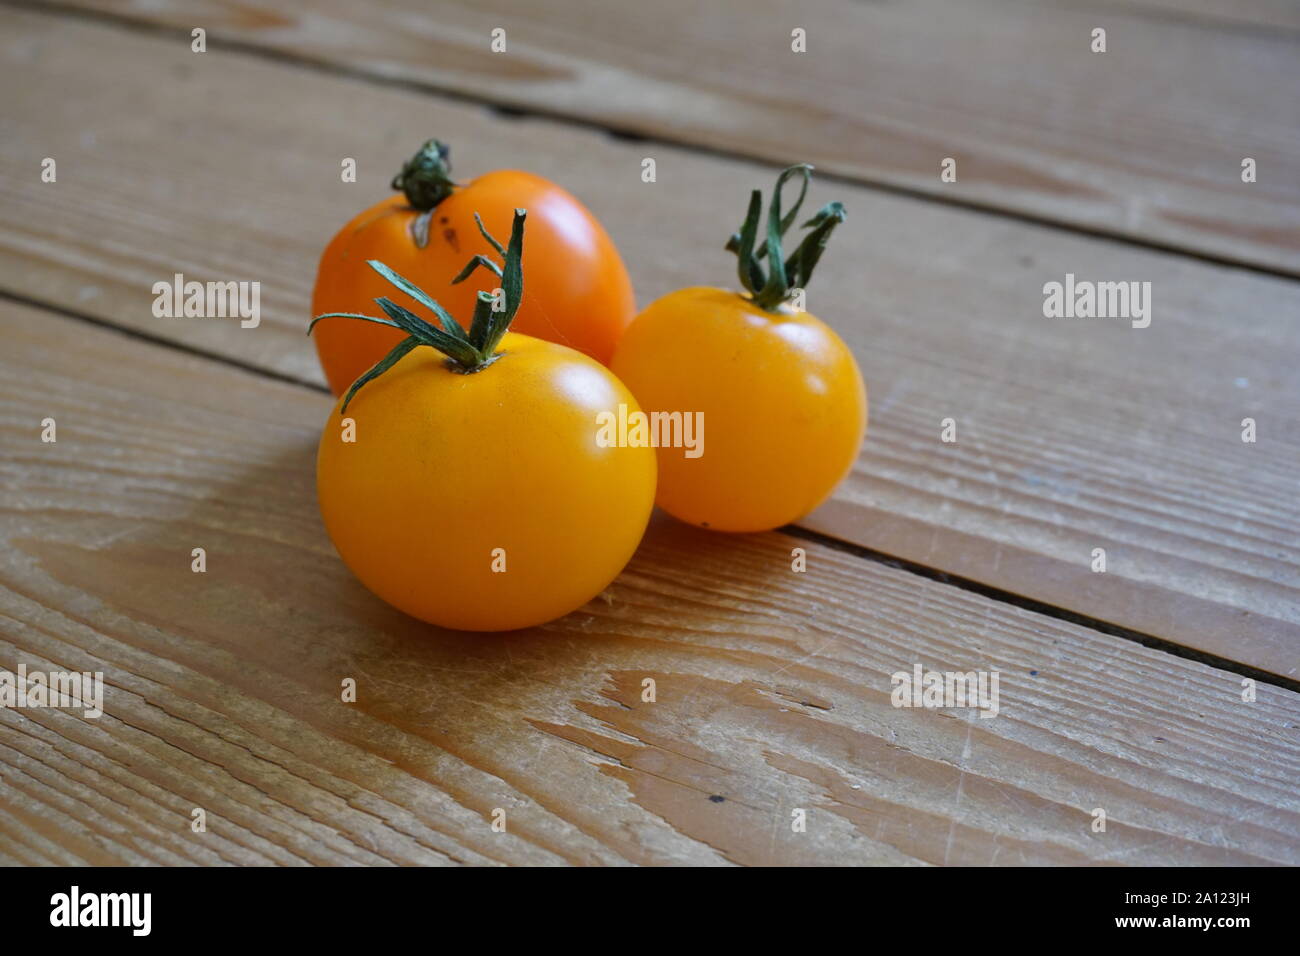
(466, 478)
(783, 406)
(483, 501)
(779, 396)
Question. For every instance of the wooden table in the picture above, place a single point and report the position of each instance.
(1120, 691)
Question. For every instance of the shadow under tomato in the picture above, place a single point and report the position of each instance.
(270, 632)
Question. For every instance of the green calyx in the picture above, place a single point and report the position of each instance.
(466, 351)
(769, 290)
(425, 180)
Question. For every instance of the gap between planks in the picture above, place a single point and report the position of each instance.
(1041, 607)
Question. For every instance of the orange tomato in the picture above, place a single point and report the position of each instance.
(463, 478)
(783, 404)
(578, 295)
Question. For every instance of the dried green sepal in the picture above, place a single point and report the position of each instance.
(467, 351)
(771, 288)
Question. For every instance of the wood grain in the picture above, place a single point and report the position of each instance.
(1072, 435)
(1145, 140)
(1266, 15)
(772, 686)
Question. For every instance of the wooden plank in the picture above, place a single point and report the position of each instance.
(1263, 14)
(1145, 140)
(222, 688)
(1072, 435)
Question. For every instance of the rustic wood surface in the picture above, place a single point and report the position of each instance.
(772, 686)
(1071, 435)
(1145, 140)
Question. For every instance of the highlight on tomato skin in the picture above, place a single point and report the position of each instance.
(779, 392)
(459, 478)
(579, 292)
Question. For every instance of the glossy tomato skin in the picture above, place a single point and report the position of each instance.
(577, 291)
(784, 404)
(448, 467)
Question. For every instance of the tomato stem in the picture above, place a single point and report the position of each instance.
(425, 179)
(466, 351)
(769, 290)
